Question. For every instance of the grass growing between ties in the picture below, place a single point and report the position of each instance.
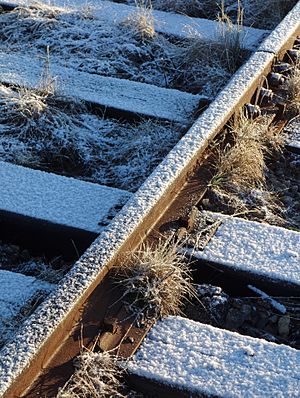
(142, 20)
(130, 50)
(156, 281)
(50, 132)
(240, 183)
(292, 87)
(264, 14)
(97, 375)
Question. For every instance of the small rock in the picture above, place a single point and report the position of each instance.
(294, 188)
(284, 326)
(246, 310)
(205, 203)
(234, 319)
(262, 320)
(273, 318)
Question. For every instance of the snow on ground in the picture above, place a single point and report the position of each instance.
(56, 134)
(206, 360)
(292, 131)
(248, 246)
(171, 24)
(57, 199)
(259, 13)
(123, 50)
(16, 292)
(82, 276)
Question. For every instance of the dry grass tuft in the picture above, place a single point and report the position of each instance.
(29, 104)
(156, 281)
(199, 61)
(266, 13)
(142, 20)
(240, 181)
(96, 376)
(292, 86)
(231, 37)
(241, 165)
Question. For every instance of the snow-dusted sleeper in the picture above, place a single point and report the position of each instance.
(57, 199)
(267, 252)
(113, 93)
(16, 292)
(196, 360)
(171, 24)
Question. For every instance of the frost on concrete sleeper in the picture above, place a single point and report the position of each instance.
(270, 252)
(16, 292)
(119, 94)
(201, 360)
(57, 199)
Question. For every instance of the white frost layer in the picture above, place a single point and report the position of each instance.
(171, 24)
(292, 131)
(17, 355)
(274, 303)
(16, 290)
(140, 98)
(56, 199)
(269, 251)
(288, 28)
(206, 360)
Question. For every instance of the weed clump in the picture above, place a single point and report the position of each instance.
(96, 375)
(54, 133)
(241, 169)
(156, 281)
(292, 87)
(241, 165)
(130, 50)
(142, 20)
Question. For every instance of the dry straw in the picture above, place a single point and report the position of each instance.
(96, 376)
(156, 280)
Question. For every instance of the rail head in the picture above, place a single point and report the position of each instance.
(24, 357)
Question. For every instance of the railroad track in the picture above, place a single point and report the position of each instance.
(53, 90)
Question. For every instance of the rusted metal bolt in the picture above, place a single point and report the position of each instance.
(252, 111)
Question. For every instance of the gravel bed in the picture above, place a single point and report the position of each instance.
(275, 319)
(17, 259)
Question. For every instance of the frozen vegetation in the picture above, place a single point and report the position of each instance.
(44, 131)
(264, 14)
(129, 50)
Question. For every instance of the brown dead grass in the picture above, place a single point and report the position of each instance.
(156, 280)
(240, 183)
(96, 376)
(241, 165)
(142, 20)
(292, 85)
